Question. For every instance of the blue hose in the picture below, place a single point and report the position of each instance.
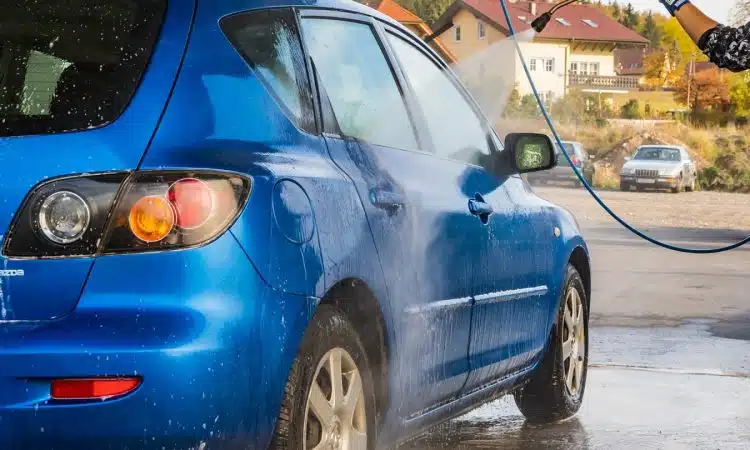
(583, 180)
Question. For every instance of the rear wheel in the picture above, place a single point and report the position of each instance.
(329, 401)
(556, 389)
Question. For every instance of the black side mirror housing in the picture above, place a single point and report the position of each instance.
(529, 152)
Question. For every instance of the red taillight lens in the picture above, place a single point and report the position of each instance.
(203, 206)
(92, 389)
(193, 201)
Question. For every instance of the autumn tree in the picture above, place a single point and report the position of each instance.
(616, 11)
(656, 68)
(741, 12)
(709, 90)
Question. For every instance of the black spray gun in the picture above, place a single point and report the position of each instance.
(540, 22)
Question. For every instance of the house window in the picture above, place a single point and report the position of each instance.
(532, 64)
(482, 30)
(457, 32)
(562, 21)
(549, 65)
(584, 68)
(590, 23)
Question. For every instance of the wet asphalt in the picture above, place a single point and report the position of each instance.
(669, 361)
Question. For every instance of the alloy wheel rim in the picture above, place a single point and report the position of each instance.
(573, 343)
(335, 414)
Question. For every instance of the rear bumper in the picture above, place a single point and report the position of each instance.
(211, 341)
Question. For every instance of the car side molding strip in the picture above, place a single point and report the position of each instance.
(506, 296)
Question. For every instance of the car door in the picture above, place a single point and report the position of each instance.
(412, 201)
(510, 264)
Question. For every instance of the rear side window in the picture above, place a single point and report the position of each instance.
(72, 65)
(269, 41)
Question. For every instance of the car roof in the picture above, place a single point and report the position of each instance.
(673, 147)
(233, 6)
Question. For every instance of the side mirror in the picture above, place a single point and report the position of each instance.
(530, 152)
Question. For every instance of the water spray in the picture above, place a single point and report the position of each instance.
(538, 25)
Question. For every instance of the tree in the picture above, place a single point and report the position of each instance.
(616, 11)
(709, 90)
(630, 17)
(740, 92)
(651, 31)
(658, 69)
(631, 110)
(741, 12)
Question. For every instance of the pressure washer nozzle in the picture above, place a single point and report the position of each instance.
(540, 22)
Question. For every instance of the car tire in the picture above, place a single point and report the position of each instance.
(680, 185)
(331, 349)
(691, 186)
(555, 390)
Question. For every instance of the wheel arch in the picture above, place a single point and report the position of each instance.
(357, 301)
(579, 259)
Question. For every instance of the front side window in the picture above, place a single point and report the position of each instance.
(456, 129)
(361, 88)
(270, 43)
(73, 65)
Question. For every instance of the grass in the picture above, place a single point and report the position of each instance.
(660, 101)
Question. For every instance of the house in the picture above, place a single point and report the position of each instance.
(410, 20)
(630, 61)
(575, 50)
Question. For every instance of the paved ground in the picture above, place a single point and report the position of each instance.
(670, 335)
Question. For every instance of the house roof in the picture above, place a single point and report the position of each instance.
(606, 29)
(397, 12)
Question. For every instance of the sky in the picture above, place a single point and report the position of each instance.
(718, 9)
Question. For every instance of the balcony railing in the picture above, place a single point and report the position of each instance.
(623, 82)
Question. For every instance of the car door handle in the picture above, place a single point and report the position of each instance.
(387, 200)
(480, 208)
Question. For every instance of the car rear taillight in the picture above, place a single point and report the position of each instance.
(115, 213)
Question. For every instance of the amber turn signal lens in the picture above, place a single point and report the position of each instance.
(151, 219)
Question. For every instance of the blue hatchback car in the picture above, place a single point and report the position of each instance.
(254, 224)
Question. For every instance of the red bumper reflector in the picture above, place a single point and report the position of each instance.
(92, 389)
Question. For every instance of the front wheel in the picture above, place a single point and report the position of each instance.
(555, 391)
(329, 401)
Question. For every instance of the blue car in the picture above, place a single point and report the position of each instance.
(254, 224)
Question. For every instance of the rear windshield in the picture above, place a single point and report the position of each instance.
(74, 64)
(561, 159)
